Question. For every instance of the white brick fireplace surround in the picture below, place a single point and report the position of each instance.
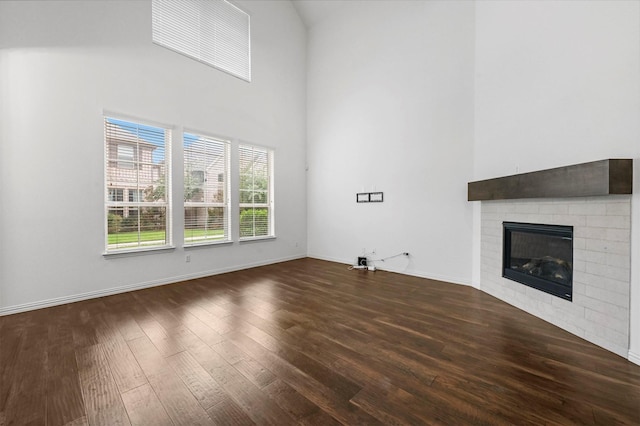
(599, 311)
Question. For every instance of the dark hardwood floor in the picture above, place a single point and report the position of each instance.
(305, 342)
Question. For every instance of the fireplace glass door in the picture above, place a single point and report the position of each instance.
(539, 256)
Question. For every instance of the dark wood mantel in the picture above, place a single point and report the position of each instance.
(604, 177)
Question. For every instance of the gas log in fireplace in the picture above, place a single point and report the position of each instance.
(539, 256)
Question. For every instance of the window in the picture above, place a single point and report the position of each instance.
(125, 156)
(136, 195)
(213, 32)
(115, 194)
(137, 182)
(206, 200)
(256, 192)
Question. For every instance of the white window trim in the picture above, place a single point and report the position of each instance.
(133, 252)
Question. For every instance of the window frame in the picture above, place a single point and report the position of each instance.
(269, 204)
(225, 204)
(141, 165)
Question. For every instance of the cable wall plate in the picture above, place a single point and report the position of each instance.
(362, 197)
(375, 197)
(369, 197)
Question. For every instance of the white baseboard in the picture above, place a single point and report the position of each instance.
(634, 357)
(381, 266)
(8, 310)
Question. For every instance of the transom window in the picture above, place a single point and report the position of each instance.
(206, 189)
(137, 178)
(256, 192)
(214, 32)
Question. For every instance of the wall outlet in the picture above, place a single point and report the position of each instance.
(187, 258)
(362, 261)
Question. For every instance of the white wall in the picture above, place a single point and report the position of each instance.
(390, 108)
(61, 65)
(557, 83)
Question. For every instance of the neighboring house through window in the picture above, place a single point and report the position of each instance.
(137, 185)
(256, 192)
(206, 198)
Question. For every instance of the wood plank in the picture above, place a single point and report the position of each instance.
(228, 413)
(220, 324)
(124, 367)
(180, 404)
(206, 390)
(123, 321)
(64, 395)
(293, 353)
(12, 338)
(205, 333)
(253, 402)
(319, 418)
(326, 398)
(158, 307)
(27, 395)
(250, 398)
(82, 421)
(255, 372)
(144, 407)
(394, 364)
(290, 400)
(103, 403)
(84, 332)
(230, 352)
(163, 340)
(402, 408)
(604, 177)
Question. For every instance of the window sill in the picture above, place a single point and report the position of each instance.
(136, 252)
(207, 244)
(250, 239)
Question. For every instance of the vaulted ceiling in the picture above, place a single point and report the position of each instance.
(314, 11)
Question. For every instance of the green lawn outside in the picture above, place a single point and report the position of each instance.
(147, 236)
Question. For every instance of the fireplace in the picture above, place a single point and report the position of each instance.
(594, 200)
(539, 256)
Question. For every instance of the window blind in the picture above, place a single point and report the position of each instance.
(214, 32)
(206, 187)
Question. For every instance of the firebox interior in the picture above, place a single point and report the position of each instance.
(539, 256)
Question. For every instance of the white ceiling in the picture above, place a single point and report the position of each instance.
(314, 11)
